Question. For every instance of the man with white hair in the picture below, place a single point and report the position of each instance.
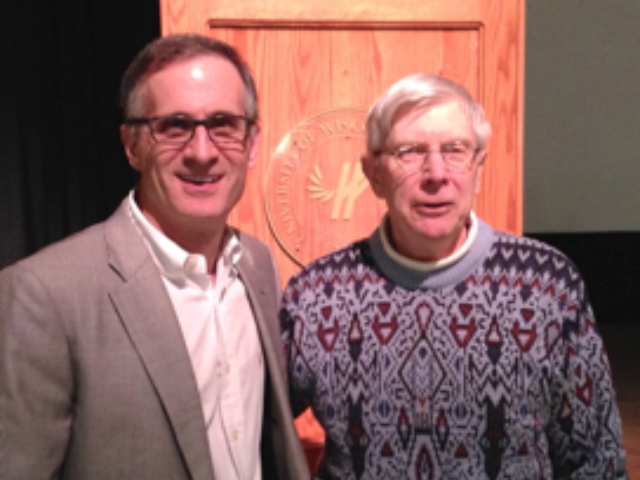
(439, 348)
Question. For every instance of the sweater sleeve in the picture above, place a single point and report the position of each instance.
(585, 433)
(292, 325)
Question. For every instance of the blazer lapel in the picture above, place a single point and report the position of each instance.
(148, 316)
(282, 453)
(260, 289)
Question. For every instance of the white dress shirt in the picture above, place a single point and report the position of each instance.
(222, 339)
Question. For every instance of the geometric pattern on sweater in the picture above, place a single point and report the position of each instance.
(499, 375)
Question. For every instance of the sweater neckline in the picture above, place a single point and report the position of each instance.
(452, 272)
(472, 230)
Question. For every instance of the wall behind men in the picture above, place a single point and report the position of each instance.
(582, 143)
(63, 167)
(59, 94)
(582, 116)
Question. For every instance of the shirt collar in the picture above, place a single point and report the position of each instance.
(428, 266)
(178, 265)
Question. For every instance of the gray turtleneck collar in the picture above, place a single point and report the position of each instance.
(450, 274)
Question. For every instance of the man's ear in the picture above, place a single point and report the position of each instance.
(130, 137)
(480, 157)
(371, 168)
(253, 144)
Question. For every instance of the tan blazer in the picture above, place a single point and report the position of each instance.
(95, 379)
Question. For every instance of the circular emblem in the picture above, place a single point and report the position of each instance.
(316, 197)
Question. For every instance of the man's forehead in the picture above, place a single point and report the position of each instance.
(195, 81)
(195, 66)
(417, 109)
(441, 122)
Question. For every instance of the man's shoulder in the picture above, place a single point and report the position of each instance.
(67, 268)
(67, 250)
(344, 258)
(523, 244)
(531, 254)
(82, 251)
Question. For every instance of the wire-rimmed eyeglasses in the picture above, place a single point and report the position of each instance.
(457, 156)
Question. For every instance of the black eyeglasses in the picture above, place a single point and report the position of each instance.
(457, 156)
(225, 130)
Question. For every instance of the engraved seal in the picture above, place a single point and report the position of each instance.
(316, 197)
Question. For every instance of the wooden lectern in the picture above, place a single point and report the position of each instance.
(319, 65)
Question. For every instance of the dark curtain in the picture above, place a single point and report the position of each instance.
(61, 162)
(609, 263)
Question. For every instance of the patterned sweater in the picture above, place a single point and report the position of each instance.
(490, 368)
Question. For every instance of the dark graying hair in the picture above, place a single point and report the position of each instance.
(172, 49)
(416, 91)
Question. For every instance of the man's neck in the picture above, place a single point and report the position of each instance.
(196, 239)
(438, 255)
(195, 236)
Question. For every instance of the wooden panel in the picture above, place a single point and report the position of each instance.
(320, 86)
(314, 57)
(317, 63)
(192, 15)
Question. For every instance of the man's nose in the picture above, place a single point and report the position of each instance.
(434, 166)
(201, 146)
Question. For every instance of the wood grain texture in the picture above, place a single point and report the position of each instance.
(313, 57)
(310, 57)
(177, 17)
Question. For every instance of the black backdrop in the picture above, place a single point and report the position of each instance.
(61, 163)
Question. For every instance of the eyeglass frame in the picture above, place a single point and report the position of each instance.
(397, 151)
(195, 123)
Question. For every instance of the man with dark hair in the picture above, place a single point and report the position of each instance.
(147, 347)
(439, 348)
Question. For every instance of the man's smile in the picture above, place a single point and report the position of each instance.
(199, 179)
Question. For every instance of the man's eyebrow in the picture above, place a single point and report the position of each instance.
(462, 140)
(224, 112)
(174, 114)
(448, 141)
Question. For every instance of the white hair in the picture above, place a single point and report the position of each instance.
(416, 91)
